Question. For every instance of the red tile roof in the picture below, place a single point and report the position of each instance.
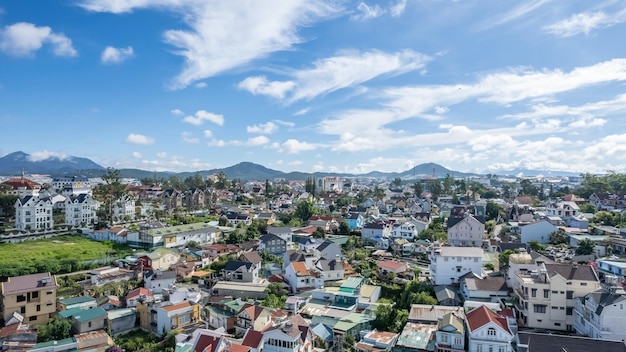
(206, 343)
(253, 310)
(17, 183)
(300, 268)
(235, 347)
(275, 278)
(391, 265)
(482, 315)
(138, 292)
(252, 338)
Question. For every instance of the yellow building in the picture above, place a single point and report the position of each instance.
(33, 296)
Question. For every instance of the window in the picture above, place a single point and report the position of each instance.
(570, 295)
(479, 348)
(34, 295)
(33, 318)
(555, 308)
(533, 292)
(22, 310)
(539, 308)
(583, 284)
(457, 340)
(569, 311)
(89, 324)
(21, 298)
(39, 307)
(555, 292)
(491, 332)
(557, 324)
(546, 293)
(444, 338)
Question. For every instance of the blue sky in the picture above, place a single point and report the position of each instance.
(322, 85)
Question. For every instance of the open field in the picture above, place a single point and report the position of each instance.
(60, 254)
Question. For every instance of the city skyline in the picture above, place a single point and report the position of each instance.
(332, 86)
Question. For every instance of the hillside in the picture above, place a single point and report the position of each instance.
(12, 164)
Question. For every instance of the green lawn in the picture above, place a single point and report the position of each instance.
(61, 254)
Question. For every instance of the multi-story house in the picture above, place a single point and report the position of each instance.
(71, 186)
(300, 278)
(293, 335)
(22, 187)
(164, 317)
(329, 250)
(80, 210)
(194, 199)
(377, 229)
(157, 281)
(330, 270)
(123, 208)
(406, 230)
(272, 244)
(489, 331)
(537, 231)
(239, 271)
(562, 209)
(355, 221)
(448, 264)
(172, 200)
(252, 316)
(32, 296)
(601, 314)
(546, 295)
(466, 231)
(34, 213)
(450, 334)
(85, 320)
(283, 232)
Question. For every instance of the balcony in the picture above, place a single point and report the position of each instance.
(520, 292)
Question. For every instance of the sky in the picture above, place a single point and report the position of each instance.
(320, 85)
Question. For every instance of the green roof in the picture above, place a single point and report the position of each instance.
(77, 300)
(83, 315)
(339, 240)
(351, 321)
(234, 305)
(175, 230)
(58, 343)
(120, 313)
(351, 284)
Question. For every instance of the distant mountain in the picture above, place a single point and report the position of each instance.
(517, 172)
(12, 164)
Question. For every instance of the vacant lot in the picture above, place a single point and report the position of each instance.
(60, 254)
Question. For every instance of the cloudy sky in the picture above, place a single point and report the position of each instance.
(320, 85)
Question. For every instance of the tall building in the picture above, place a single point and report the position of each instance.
(33, 296)
(34, 213)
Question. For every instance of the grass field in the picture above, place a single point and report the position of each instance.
(60, 254)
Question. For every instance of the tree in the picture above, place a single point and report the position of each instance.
(396, 183)
(585, 247)
(418, 189)
(503, 258)
(587, 208)
(111, 190)
(222, 181)
(448, 182)
(54, 329)
(7, 204)
(195, 181)
(344, 228)
(273, 301)
(494, 211)
(385, 316)
(304, 210)
(319, 233)
(559, 236)
(434, 186)
(535, 246)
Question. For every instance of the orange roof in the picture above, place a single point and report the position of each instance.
(138, 292)
(300, 268)
(17, 183)
(482, 315)
(391, 265)
(180, 305)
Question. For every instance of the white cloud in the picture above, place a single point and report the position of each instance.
(441, 110)
(24, 39)
(285, 123)
(161, 155)
(398, 8)
(585, 22)
(208, 133)
(42, 155)
(111, 55)
(137, 155)
(216, 143)
(257, 141)
(347, 69)
(263, 128)
(295, 163)
(139, 139)
(366, 12)
(187, 137)
(201, 115)
(177, 112)
(301, 112)
(525, 8)
(223, 35)
(260, 85)
(293, 146)
(200, 85)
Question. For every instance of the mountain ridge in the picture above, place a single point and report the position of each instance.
(12, 164)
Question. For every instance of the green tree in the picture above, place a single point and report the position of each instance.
(448, 182)
(396, 183)
(344, 228)
(110, 191)
(585, 247)
(587, 208)
(503, 258)
(536, 246)
(54, 329)
(319, 233)
(7, 204)
(559, 236)
(494, 211)
(222, 181)
(385, 316)
(434, 187)
(304, 210)
(273, 301)
(418, 189)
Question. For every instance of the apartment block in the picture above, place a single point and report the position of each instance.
(33, 296)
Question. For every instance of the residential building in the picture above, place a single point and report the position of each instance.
(330, 270)
(121, 321)
(562, 209)
(32, 296)
(240, 271)
(292, 336)
(80, 210)
(136, 295)
(466, 231)
(300, 278)
(390, 267)
(355, 221)
(528, 341)
(283, 232)
(448, 264)
(115, 234)
(272, 244)
(72, 185)
(85, 320)
(429, 314)
(487, 289)
(489, 331)
(105, 275)
(172, 200)
(537, 231)
(22, 187)
(123, 209)
(329, 250)
(252, 316)
(406, 230)
(601, 314)
(254, 290)
(377, 229)
(546, 295)
(34, 213)
(157, 280)
(450, 334)
(376, 341)
(169, 316)
(82, 302)
(173, 236)
(194, 199)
